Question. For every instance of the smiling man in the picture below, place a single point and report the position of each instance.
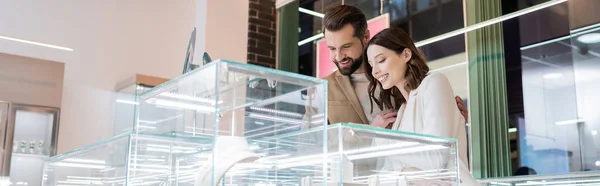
(346, 34)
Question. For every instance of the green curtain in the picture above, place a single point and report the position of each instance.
(488, 98)
(287, 55)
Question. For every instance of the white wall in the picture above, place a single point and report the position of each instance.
(112, 40)
(226, 32)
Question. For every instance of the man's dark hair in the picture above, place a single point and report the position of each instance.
(338, 17)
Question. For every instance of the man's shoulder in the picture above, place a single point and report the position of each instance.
(331, 78)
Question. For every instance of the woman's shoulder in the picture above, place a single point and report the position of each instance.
(434, 78)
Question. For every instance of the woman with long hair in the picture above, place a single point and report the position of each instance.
(427, 102)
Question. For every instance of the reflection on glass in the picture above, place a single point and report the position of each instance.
(550, 90)
(586, 59)
(549, 128)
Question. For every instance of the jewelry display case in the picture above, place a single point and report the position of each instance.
(220, 102)
(126, 94)
(227, 123)
(341, 154)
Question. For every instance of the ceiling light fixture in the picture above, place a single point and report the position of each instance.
(568, 122)
(307, 11)
(307, 40)
(574, 33)
(36, 43)
(590, 38)
(469, 28)
(449, 66)
(127, 102)
(488, 22)
(553, 75)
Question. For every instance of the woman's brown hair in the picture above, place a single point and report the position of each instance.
(397, 40)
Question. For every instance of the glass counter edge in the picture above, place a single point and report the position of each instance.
(368, 128)
(86, 148)
(315, 80)
(394, 132)
(99, 144)
(522, 178)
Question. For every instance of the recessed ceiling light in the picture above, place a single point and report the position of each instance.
(597, 163)
(569, 122)
(35, 43)
(553, 75)
(594, 132)
(590, 38)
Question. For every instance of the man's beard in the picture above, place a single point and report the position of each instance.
(354, 65)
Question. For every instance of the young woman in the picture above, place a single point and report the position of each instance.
(427, 100)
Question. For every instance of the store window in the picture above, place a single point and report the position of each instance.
(553, 127)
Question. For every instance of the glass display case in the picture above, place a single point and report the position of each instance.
(227, 123)
(126, 93)
(125, 159)
(260, 101)
(338, 154)
(571, 179)
(353, 155)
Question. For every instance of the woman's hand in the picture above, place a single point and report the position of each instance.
(383, 120)
(463, 109)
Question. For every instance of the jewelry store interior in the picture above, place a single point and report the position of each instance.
(202, 93)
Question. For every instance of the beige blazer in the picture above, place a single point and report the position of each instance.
(431, 109)
(342, 102)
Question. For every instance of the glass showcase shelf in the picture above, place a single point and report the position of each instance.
(126, 159)
(354, 154)
(227, 123)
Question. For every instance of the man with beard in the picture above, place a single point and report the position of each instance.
(346, 33)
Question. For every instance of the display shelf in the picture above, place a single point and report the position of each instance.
(228, 123)
(588, 178)
(31, 147)
(41, 156)
(126, 159)
(357, 153)
(26, 169)
(232, 99)
(352, 155)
